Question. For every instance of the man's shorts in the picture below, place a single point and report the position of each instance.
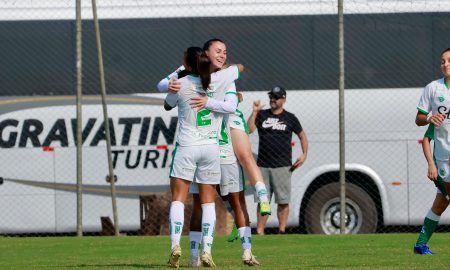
(232, 180)
(278, 182)
(199, 161)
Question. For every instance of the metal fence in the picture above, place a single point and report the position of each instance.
(392, 51)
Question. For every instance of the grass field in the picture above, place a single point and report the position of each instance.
(375, 251)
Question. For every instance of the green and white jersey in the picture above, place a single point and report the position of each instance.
(436, 99)
(227, 155)
(201, 127)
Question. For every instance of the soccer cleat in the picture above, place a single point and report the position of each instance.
(174, 259)
(264, 208)
(248, 258)
(207, 260)
(422, 250)
(234, 235)
(194, 262)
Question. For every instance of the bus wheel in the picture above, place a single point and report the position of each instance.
(322, 214)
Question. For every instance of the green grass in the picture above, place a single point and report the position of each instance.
(375, 251)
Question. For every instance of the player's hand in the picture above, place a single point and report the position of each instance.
(432, 173)
(198, 102)
(240, 96)
(437, 119)
(174, 86)
(298, 163)
(257, 106)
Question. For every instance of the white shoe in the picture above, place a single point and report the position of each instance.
(207, 260)
(174, 259)
(248, 258)
(195, 262)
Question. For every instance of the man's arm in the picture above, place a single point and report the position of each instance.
(251, 121)
(304, 144)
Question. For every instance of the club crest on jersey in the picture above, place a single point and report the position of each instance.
(441, 99)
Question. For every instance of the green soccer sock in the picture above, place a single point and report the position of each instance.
(429, 226)
(234, 234)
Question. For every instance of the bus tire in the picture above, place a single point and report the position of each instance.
(322, 214)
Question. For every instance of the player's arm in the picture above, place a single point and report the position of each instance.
(171, 101)
(432, 170)
(169, 83)
(228, 105)
(423, 119)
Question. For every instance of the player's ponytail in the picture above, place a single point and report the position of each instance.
(203, 65)
(190, 61)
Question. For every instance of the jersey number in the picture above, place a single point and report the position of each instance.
(203, 118)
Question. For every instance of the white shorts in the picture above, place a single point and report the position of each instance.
(199, 162)
(237, 121)
(232, 180)
(443, 169)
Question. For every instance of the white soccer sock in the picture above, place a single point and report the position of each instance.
(176, 221)
(433, 216)
(208, 225)
(245, 234)
(194, 239)
(229, 208)
(261, 191)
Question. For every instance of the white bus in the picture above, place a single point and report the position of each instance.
(385, 168)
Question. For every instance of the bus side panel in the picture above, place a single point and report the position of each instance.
(388, 160)
(26, 208)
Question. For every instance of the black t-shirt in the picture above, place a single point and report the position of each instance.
(275, 136)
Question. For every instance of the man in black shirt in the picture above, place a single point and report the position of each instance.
(275, 127)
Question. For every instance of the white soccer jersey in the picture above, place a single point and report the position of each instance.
(436, 99)
(201, 127)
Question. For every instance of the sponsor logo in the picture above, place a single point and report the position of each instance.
(188, 170)
(237, 122)
(445, 111)
(213, 173)
(274, 123)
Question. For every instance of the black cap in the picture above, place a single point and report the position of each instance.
(278, 92)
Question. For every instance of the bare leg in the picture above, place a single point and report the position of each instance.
(237, 201)
(283, 214)
(262, 220)
(243, 151)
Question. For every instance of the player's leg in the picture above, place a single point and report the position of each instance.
(184, 157)
(260, 219)
(430, 224)
(243, 151)
(208, 176)
(179, 189)
(440, 203)
(233, 186)
(244, 230)
(195, 234)
(207, 198)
